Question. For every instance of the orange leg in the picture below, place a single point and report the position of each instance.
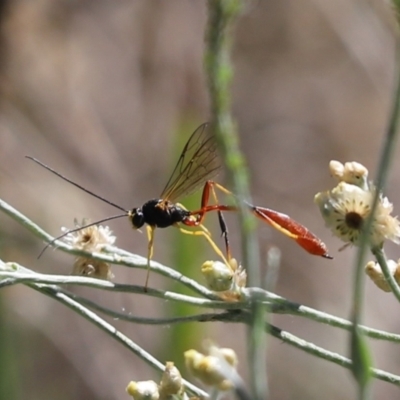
(206, 233)
(282, 222)
(206, 207)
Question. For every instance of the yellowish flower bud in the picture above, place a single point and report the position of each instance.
(336, 169)
(356, 174)
(143, 390)
(171, 382)
(353, 173)
(228, 280)
(214, 369)
(374, 271)
(228, 354)
(218, 275)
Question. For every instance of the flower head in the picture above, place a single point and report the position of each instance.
(346, 208)
(91, 239)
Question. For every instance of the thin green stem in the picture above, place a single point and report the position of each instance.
(232, 316)
(284, 306)
(222, 15)
(13, 274)
(30, 278)
(221, 18)
(327, 355)
(358, 347)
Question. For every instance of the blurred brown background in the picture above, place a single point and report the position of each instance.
(99, 90)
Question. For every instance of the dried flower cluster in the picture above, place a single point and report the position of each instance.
(91, 239)
(346, 207)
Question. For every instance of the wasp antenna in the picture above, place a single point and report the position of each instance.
(79, 229)
(45, 248)
(76, 184)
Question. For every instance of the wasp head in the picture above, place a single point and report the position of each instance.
(137, 218)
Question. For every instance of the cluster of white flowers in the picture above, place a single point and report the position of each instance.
(92, 238)
(346, 208)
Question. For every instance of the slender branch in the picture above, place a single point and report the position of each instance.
(110, 330)
(327, 355)
(32, 277)
(221, 18)
(231, 315)
(12, 273)
(284, 306)
(114, 256)
(222, 15)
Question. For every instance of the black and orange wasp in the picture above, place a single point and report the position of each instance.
(198, 164)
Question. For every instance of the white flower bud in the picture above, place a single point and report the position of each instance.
(218, 275)
(374, 271)
(353, 173)
(143, 390)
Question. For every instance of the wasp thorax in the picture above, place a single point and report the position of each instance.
(137, 217)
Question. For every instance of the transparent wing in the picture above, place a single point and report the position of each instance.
(197, 164)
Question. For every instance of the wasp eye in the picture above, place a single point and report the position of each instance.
(137, 218)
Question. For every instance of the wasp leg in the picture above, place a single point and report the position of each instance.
(204, 232)
(209, 189)
(224, 234)
(150, 236)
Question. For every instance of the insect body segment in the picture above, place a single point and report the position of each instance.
(158, 213)
(293, 229)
